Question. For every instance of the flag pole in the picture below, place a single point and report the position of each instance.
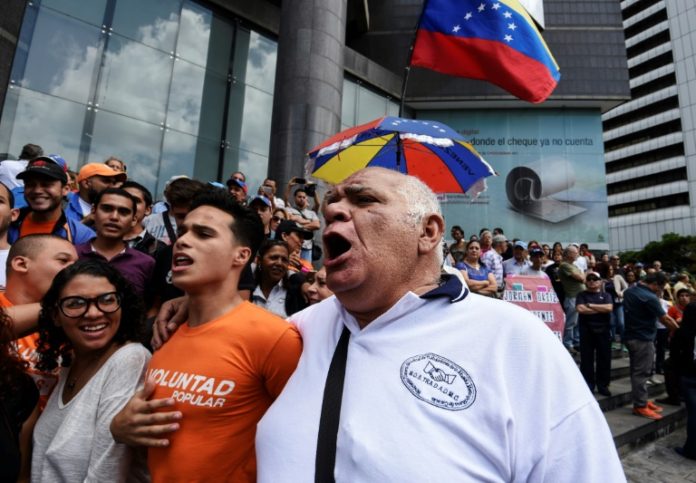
(407, 69)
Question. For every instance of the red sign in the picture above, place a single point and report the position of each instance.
(536, 294)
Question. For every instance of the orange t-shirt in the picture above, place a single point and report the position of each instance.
(223, 376)
(26, 349)
(675, 312)
(31, 227)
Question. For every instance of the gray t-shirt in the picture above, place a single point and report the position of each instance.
(72, 441)
(308, 215)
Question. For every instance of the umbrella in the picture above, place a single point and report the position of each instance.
(429, 150)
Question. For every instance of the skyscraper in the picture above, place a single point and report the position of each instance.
(650, 141)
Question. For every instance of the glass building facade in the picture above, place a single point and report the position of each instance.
(360, 104)
(170, 86)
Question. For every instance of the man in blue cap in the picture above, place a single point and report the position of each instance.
(238, 189)
(45, 187)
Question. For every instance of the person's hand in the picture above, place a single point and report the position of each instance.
(137, 424)
(172, 314)
(295, 259)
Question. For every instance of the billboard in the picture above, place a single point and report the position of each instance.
(551, 183)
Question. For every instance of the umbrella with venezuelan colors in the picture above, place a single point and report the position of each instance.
(429, 150)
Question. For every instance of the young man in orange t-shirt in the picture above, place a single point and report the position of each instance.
(676, 311)
(223, 368)
(33, 262)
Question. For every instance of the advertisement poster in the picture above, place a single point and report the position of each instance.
(536, 295)
(551, 183)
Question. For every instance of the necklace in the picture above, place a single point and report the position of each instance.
(72, 382)
(89, 366)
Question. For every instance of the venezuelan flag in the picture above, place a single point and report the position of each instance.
(496, 41)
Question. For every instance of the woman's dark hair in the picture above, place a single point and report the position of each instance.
(602, 268)
(53, 345)
(11, 366)
(265, 248)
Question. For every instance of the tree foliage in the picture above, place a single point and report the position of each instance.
(676, 252)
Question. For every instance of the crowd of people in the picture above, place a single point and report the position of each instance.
(226, 284)
(608, 305)
(90, 259)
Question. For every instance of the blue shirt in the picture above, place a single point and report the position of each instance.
(480, 275)
(642, 308)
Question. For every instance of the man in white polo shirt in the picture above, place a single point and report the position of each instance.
(407, 376)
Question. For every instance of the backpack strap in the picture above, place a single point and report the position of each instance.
(168, 226)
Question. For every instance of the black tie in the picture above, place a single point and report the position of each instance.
(331, 412)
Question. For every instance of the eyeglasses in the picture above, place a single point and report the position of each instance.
(592, 279)
(276, 218)
(77, 306)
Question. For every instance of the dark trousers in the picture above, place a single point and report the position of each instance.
(688, 385)
(660, 348)
(595, 344)
(671, 380)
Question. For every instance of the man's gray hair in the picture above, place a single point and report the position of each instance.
(420, 201)
(569, 249)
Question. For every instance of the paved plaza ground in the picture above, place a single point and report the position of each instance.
(658, 463)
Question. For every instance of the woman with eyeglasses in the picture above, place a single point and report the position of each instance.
(90, 324)
(279, 215)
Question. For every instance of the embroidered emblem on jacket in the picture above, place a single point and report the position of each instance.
(438, 381)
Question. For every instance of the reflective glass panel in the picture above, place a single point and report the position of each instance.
(197, 101)
(67, 67)
(255, 60)
(52, 123)
(392, 108)
(370, 106)
(255, 167)
(152, 22)
(205, 38)
(134, 80)
(137, 143)
(91, 11)
(189, 155)
(348, 104)
(249, 120)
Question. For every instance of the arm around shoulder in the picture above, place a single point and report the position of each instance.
(282, 360)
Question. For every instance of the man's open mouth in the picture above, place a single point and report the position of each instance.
(335, 245)
(182, 261)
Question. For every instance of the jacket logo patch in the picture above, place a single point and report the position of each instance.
(438, 381)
